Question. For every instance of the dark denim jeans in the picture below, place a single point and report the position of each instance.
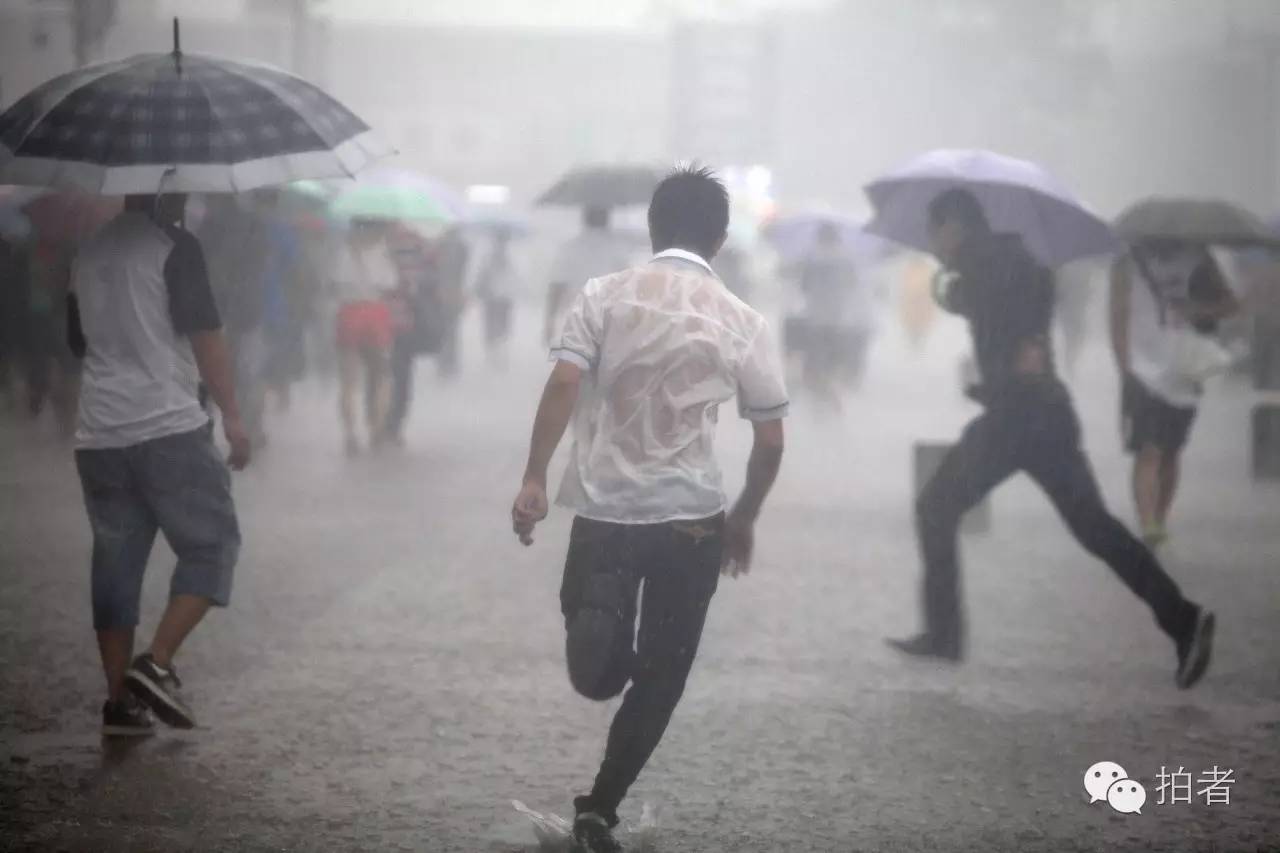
(178, 485)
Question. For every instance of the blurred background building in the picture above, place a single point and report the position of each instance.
(1120, 97)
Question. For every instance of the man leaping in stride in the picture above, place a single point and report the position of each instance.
(645, 358)
(1028, 424)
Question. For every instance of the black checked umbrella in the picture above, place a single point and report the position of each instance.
(179, 123)
(603, 186)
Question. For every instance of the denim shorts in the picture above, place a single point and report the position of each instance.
(177, 485)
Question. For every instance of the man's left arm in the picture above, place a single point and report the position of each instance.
(194, 315)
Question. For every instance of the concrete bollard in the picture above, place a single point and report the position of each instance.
(1266, 441)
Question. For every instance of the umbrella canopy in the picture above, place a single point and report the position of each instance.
(181, 123)
(794, 235)
(603, 186)
(396, 194)
(1017, 196)
(1194, 220)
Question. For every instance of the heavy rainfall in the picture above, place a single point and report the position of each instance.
(654, 425)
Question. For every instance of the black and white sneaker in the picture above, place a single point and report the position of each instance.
(592, 834)
(160, 690)
(126, 718)
(1195, 649)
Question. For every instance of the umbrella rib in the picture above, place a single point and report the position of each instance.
(213, 110)
(289, 101)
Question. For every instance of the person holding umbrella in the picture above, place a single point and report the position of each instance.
(595, 251)
(152, 128)
(646, 357)
(1167, 297)
(1028, 424)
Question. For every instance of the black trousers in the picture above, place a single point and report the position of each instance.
(403, 354)
(678, 565)
(1032, 429)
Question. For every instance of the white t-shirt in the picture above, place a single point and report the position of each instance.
(663, 345)
(1165, 353)
(142, 289)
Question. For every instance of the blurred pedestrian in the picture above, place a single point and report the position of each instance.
(645, 358)
(237, 250)
(144, 319)
(423, 318)
(594, 252)
(286, 294)
(839, 311)
(1028, 424)
(13, 290)
(451, 262)
(364, 278)
(495, 286)
(1166, 297)
(51, 372)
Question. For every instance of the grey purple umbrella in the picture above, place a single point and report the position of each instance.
(1017, 196)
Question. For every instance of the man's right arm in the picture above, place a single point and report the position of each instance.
(213, 359)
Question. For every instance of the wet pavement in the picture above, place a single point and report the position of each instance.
(390, 675)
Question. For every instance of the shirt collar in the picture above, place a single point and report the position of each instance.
(684, 255)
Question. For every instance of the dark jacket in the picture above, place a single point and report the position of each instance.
(1007, 296)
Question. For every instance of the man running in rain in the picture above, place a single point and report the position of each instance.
(646, 357)
(1029, 424)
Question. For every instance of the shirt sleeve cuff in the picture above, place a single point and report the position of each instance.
(575, 358)
(772, 413)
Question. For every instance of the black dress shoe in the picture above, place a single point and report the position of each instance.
(928, 646)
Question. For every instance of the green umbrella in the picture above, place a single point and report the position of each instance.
(365, 201)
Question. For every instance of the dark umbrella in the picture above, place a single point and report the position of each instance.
(1194, 220)
(179, 122)
(603, 186)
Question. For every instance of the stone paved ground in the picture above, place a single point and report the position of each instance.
(390, 675)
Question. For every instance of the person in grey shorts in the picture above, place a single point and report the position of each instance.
(143, 319)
